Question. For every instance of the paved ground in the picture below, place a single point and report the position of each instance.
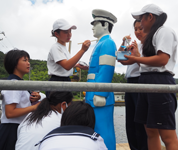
(125, 146)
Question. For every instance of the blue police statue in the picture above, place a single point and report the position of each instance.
(101, 70)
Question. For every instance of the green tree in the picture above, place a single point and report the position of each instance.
(119, 78)
(3, 73)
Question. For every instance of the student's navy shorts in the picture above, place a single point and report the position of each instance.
(156, 110)
(8, 136)
(57, 78)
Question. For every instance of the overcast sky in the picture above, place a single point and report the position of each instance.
(28, 23)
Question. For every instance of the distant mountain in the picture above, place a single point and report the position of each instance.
(3, 73)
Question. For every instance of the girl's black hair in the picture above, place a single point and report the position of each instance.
(79, 113)
(148, 48)
(136, 22)
(44, 109)
(58, 31)
(11, 59)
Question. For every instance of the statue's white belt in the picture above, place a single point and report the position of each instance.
(91, 76)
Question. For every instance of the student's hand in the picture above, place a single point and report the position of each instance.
(123, 43)
(35, 96)
(82, 67)
(130, 47)
(127, 36)
(86, 45)
(125, 62)
(131, 59)
(134, 50)
(35, 106)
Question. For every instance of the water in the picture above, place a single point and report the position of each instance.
(119, 124)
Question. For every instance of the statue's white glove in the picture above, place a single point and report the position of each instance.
(99, 101)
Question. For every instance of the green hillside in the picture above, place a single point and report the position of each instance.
(176, 80)
(3, 72)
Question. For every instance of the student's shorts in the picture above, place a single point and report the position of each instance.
(8, 136)
(57, 78)
(156, 110)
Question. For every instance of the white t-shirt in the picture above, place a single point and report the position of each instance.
(133, 70)
(21, 98)
(28, 136)
(72, 143)
(57, 53)
(165, 40)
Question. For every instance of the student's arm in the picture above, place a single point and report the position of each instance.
(161, 59)
(13, 112)
(81, 67)
(68, 64)
(126, 62)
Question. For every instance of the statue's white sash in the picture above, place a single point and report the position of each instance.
(107, 60)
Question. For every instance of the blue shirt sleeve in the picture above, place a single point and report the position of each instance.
(105, 73)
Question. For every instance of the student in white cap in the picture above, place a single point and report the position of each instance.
(59, 62)
(157, 110)
(101, 69)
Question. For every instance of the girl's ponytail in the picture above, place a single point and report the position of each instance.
(148, 48)
(44, 108)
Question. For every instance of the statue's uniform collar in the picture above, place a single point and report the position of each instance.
(104, 37)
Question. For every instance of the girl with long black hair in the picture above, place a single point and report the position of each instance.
(44, 119)
(157, 111)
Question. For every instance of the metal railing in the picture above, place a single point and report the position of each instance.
(86, 86)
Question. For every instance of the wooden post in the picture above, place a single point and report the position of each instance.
(70, 42)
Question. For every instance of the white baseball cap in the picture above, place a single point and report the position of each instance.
(150, 8)
(63, 25)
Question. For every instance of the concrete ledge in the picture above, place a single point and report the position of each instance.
(119, 103)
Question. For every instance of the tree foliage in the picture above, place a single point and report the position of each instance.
(39, 72)
(117, 78)
(3, 73)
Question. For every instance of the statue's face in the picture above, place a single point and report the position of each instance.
(98, 29)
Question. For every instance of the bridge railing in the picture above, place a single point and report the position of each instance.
(86, 86)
